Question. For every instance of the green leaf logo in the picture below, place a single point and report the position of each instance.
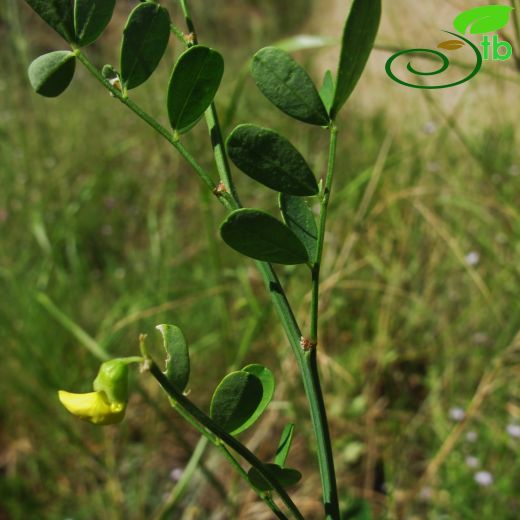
(479, 20)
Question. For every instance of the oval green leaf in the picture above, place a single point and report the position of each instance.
(266, 377)
(484, 19)
(282, 452)
(287, 477)
(298, 217)
(260, 236)
(52, 73)
(177, 356)
(235, 401)
(91, 18)
(145, 38)
(194, 82)
(271, 160)
(288, 86)
(56, 13)
(358, 39)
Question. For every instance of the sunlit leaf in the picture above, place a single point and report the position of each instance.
(91, 18)
(145, 38)
(270, 159)
(288, 86)
(178, 358)
(235, 401)
(194, 82)
(357, 42)
(484, 19)
(52, 73)
(58, 14)
(260, 236)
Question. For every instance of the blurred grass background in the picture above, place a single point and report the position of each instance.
(420, 284)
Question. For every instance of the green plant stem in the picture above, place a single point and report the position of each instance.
(219, 152)
(321, 232)
(325, 454)
(212, 121)
(147, 118)
(206, 426)
(240, 470)
(307, 361)
(229, 203)
(177, 33)
(207, 435)
(102, 355)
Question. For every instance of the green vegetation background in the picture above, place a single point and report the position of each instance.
(420, 285)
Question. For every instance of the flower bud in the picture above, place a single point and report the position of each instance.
(112, 379)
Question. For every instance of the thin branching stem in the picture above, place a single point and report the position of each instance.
(151, 121)
(229, 203)
(206, 426)
(321, 232)
(306, 360)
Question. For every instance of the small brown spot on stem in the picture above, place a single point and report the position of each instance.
(306, 344)
(190, 38)
(220, 189)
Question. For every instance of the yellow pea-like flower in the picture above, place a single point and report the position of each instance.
(107, 403)
(93, 407)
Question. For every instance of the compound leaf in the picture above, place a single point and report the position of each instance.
(288, 86)
(271, 160)
(193, 84)
(260, 236)
(145, 38)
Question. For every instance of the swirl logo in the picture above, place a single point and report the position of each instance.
(478, 20)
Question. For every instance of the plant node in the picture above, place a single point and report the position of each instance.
(307, 344)
(220, 189)
(190, 38)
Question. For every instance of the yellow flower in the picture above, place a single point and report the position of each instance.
(93, 407)
(107, 403)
